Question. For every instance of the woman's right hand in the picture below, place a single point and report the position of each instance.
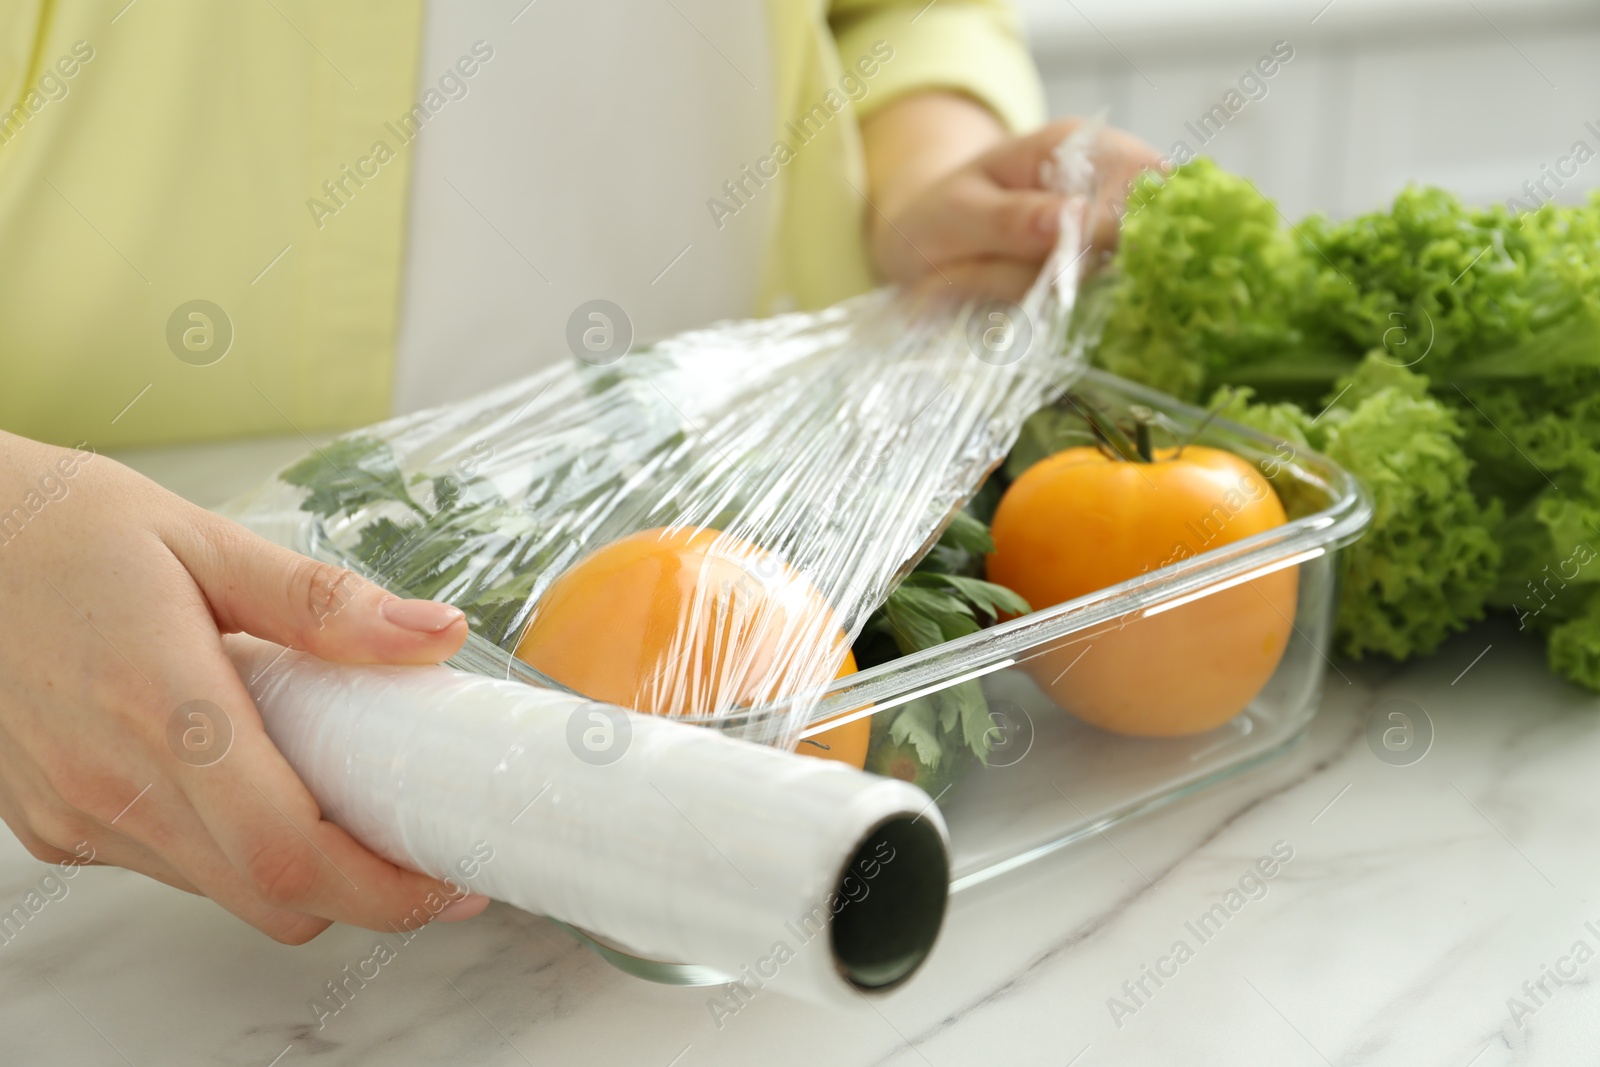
(116, 596)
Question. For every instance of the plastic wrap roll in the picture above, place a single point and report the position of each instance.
(671, 841)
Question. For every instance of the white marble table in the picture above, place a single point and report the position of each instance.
(1419, 900)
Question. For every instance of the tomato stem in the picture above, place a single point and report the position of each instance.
(1110, 436)
(1142, 417)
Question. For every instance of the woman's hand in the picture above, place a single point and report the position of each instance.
(957, 202)
(116, 595)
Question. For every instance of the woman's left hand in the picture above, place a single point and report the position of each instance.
(956, 202)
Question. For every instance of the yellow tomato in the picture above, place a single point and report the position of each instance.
(1080, 521)
(687, 622)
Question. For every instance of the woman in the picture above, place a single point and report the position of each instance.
(228, 219)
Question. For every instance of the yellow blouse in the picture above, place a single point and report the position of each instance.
(163, 276)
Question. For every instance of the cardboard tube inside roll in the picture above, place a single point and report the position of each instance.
(671, 842)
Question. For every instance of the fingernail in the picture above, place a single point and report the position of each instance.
(1048, 221)
(468, 907)
(419, 616)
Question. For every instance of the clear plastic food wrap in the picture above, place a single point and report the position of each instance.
(703, 527)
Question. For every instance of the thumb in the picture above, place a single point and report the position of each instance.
(256, 587)
(1018, 163)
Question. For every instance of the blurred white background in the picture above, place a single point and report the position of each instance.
(1477, 96)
